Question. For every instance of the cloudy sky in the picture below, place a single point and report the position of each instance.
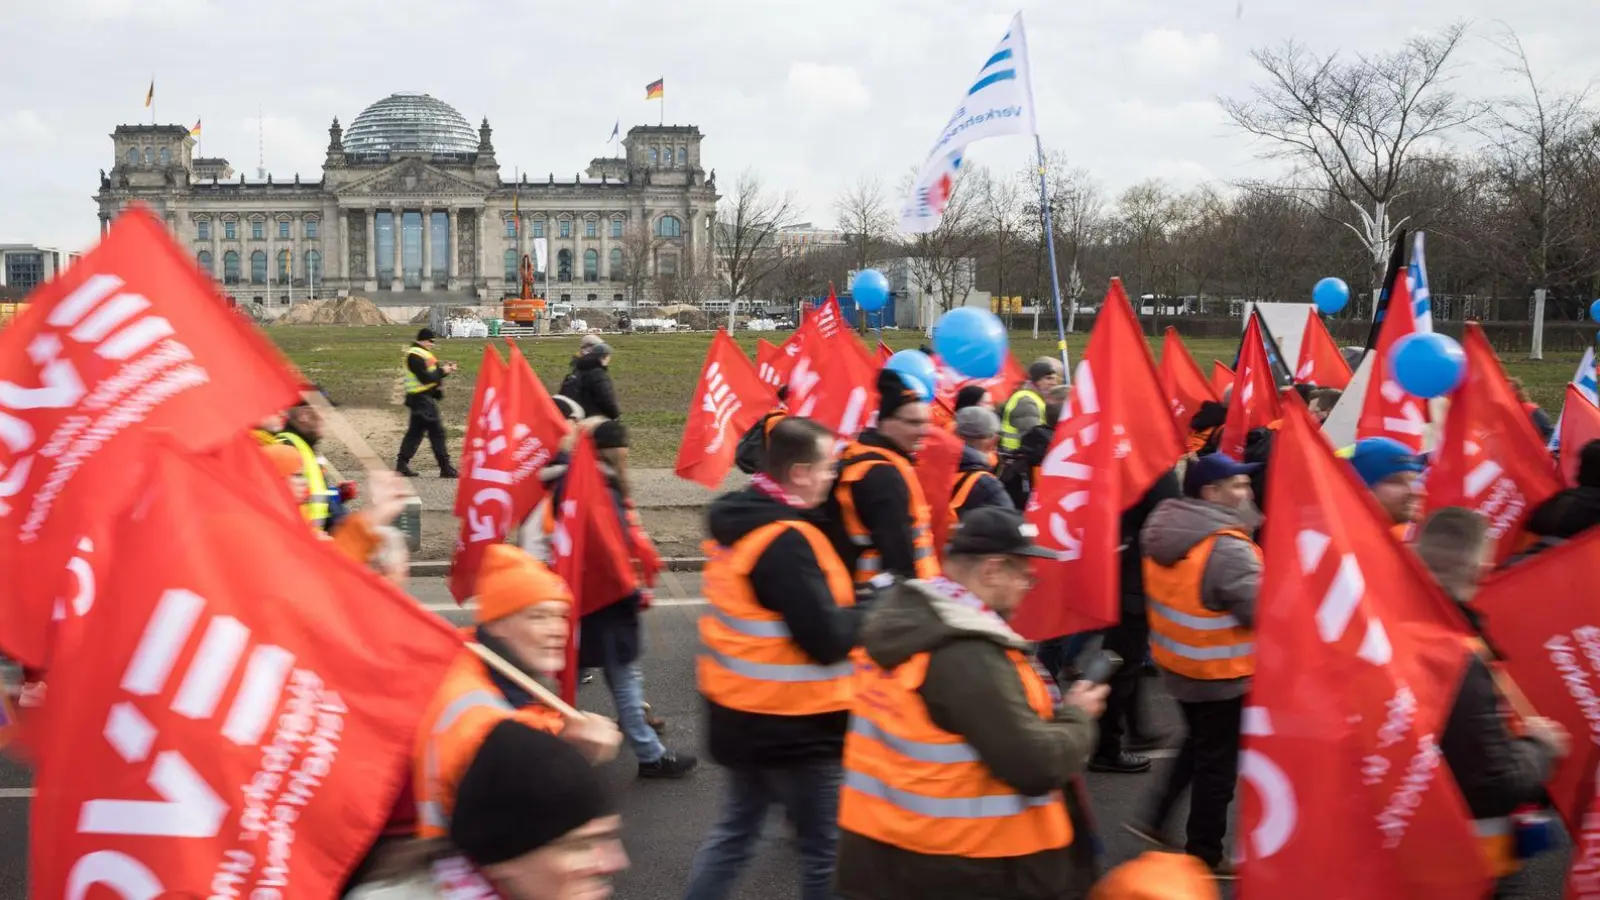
(812, 95)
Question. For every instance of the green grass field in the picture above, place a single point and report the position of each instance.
(655, 374)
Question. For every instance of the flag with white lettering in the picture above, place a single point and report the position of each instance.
(131, 338)
(1388, 411)
(484, 500)
(728, 401)
(240, 719)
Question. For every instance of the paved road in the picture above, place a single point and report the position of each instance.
(666, 820)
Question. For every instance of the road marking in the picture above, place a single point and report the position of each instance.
(683, 601)
(16, 793)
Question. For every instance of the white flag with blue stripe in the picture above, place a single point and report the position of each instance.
(999, 101)
(1584, 380)
(1417, 281)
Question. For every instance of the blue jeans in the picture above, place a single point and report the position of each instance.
(809, 795)
(627, 691)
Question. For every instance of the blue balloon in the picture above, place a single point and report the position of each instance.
(1330, 295)
(1428, 365)
(916, 369)
(870, 290)
(972, 341)
(1594, 310)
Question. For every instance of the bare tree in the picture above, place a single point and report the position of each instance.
(865, 218)
(638, 253)
(1352, 125)
(746, 234)
(943, 261)
(1002, 221)
(1077, 212)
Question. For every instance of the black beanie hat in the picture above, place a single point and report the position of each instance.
(523, 790)
(971, 395)
(610, 434)
(425, 334)
(893, 393)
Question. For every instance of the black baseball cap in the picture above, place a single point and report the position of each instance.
(426, 334)
(994, 531)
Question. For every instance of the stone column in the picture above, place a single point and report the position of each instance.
(427, 247)
(455, 248)
(371, 215)
(344, 244)
(105, 224)
(216, 248)
(399, 282)
(298, 254)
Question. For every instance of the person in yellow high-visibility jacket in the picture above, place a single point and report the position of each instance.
(424, 374)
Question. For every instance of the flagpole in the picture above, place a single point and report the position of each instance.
(1055, 281)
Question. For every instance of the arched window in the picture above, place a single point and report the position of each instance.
(149, 156)
(614, 270)
(166, 156)
(258, 267)
(669, 227)
(285, 261)
(667, 265)
(230, 267)
(511, 267)
(204, 259)
(668, 160)
(564, 265)
(313, 266)
(591, 265)
(133, 156)
(654, 154)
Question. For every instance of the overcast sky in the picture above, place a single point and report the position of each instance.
(811, 94)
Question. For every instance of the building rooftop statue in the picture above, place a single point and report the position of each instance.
(409, 123)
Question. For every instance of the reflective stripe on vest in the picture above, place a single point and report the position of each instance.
(751, 662)
(1010, 437)
(431, 810)
(965, 482)
(414, 384)
(319, 499)
(857, 461)
(911, 784)
(1186, 638)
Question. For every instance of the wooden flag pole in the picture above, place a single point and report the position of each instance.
(521, 680)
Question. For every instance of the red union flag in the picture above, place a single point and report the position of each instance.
(1182, 381)
(833, 381)
(230, 725)
(1106, 452)
(1254, 402)
(1490, 459)
(484, 501)
(1321, 363)
(728, 401)
(1389, 411)
(1580, 424)
(131, 338)
(1358, 656)
(829, 318)
(537, 429)
(767, 356)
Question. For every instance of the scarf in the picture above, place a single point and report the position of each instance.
(970, 600)
(772, 489)
(455, 878)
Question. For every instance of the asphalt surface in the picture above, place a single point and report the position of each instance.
(665, 821)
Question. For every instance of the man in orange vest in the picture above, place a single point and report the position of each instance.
(877, 516)
(976, 484)
(1394, 475)
(1202, 573)
(1498, 772)
(963, 764)
(775, 672)
(523, 613)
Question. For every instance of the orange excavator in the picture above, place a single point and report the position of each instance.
(524, 309)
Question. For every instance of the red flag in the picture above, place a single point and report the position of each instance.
(131, 338)
(788, 355)
(1321, 363)
(834, 381)
(230, 707)
(1254, 402)
(606, 574)
(936, 466)
(1358, 655)
(884, 352)
(767, 357)
(1389, 411)
(1011, 377)
(1182, 381)
(829, 318)
(537, 430)
(1106, 452)
(568, 546)
(1490, 459)
(484, 500)
(728, 401)
(1580, 424)
(1221, 378)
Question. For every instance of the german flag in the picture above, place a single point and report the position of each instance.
(655, 90)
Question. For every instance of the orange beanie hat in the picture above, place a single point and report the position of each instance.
(1158, 876)
(284, 458)
(510, 580)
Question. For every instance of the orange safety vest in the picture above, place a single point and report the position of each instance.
(910, 784)
(1496, 836)
(857, 461)
(751, 663)
(463, 711)
(1185, 637)
(963, 489)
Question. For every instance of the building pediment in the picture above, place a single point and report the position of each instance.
(414, 178)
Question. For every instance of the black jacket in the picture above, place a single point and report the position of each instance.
(434, 377)
(883, 502)
(610, 634)
(788, 580)
(987, 490)
(751, 454)
(1497, 771)
(1016, 472)
(1566, 514)
(1132, 555)
(589, 385)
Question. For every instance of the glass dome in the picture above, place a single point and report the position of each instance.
(409, 123)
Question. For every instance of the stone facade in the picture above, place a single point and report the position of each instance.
(654, 205)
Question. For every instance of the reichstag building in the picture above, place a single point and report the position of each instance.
(412, 209)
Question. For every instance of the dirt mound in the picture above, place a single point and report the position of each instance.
(344, 311)
(423, 317)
